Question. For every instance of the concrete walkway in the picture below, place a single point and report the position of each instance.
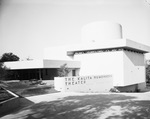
(86, 106)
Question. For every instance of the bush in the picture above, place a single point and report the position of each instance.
(63, 71)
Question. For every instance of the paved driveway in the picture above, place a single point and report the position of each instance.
(86, 106)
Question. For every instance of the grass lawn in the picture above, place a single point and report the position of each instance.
(26, 89)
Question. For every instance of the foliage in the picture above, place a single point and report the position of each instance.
(148, 74)
(63, 70)
(3, 71)
(6, 57)
(9, 57)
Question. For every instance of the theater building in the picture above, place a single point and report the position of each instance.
(119, 62)
(102, 61)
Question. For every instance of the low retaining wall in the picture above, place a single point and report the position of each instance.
(101, 83)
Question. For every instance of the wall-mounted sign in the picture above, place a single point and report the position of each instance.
(97, 83)
(82, 79)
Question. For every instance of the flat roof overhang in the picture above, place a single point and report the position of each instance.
(58, 63)
(40, 64)
(110, 45)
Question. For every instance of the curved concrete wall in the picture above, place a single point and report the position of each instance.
(97, 31)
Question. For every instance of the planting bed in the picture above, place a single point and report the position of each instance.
(4, 95)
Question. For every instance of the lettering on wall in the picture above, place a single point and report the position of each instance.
(82, 79)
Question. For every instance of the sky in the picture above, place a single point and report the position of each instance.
(29, 26)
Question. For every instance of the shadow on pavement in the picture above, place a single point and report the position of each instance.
(23, 102)
(102, 106)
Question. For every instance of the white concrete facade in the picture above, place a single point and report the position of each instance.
(39, 64)
(103, 51)
(134, 68)
(126, 67)
(94, 83)
(67, 52)
(97, 31)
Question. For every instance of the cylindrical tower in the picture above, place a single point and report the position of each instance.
(97, 31)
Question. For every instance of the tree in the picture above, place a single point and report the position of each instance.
(63, 71)
(3, 72)
(6, 57)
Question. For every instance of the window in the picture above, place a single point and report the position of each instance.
(73, 72)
